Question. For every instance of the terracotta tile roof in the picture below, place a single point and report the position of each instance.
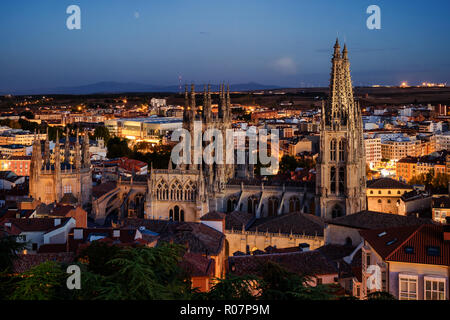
(10, 214)
(377, 220)
(27, 261)
(297, 223)
(213, 215)
(199, 237)
(235, 220)
(35, 224)
(392, 244)
(414, 195)
(312, 263)
(197, 265)
(61, 211)
(387, 183)
(52, 248)
(335, 251)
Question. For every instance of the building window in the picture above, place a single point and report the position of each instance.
(333, 150)
(273, 207)
(434, 288)
(407, 287)
(333, 179)
(67, 189)
(341, 180)
(252, 204)
(294, 205)
(341, 150)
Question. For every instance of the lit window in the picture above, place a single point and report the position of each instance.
(67, 189)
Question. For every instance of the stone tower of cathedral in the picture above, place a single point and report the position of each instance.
(189, 191)
(341, 167)
(216, 175)
(52, 180)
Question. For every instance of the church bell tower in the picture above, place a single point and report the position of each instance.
(341, 166)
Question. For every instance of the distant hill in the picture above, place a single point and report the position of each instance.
(123, 87)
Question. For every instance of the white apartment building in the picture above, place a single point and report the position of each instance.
(373, 149)
(443, 141)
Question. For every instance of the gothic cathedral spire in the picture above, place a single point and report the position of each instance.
(341, 177)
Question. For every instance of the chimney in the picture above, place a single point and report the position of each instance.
(57, 222)
(78, 234)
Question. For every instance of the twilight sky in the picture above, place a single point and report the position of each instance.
(277, 42)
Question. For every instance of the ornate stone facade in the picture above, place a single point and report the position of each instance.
(50, 180)
(341, 167)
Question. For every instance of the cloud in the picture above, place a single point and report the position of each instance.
(285, 65)
(137, 15)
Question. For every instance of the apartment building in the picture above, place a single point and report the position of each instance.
(373, 150)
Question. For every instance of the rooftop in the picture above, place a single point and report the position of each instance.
(377, 220)
(387, 183)
(422, 244)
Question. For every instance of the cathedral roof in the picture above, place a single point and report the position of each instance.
(69, 198)
(213, 215)
(297, 223)
(377, 220)
(235, 220)
(104, 188)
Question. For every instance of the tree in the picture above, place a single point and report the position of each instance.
(117, 147)
(8, 250)
(46, 281)
(288, 163)
(380, 295)
(97, 255)
(102, 132)
(273, 282)
(277, 283)
(27, 114)
(144, 273)
(232, 288)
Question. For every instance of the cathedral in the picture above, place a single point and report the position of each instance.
(61, 178)
(341, 166)
(186, 192)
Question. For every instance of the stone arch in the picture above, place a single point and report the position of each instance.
(176, 214)
(231, 203)
(252, 204)
(189, 191)
(162, 190)
(272, 206)
(176, 191)
(333, 145)
(337, 211)
(341, 151)
(294, 204)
